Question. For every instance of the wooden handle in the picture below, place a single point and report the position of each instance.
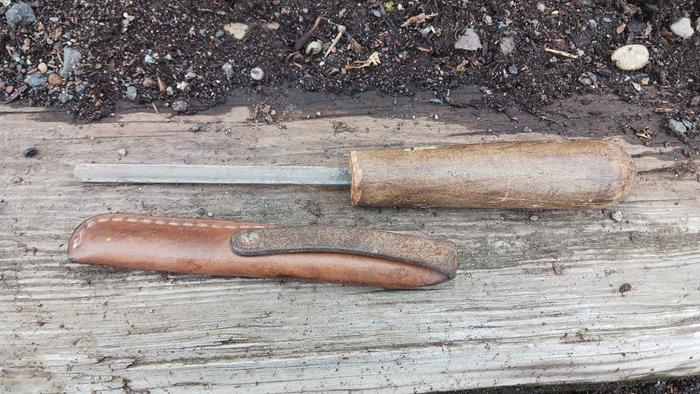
(540, 174)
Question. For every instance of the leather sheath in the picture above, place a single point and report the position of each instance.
(307, 253)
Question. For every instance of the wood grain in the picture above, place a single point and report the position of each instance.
(586, 173)
(534, 301)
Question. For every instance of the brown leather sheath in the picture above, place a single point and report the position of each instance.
(307, 253)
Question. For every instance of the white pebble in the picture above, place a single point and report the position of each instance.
(630, 57)
(682, 28)
(43, 67)
(237, 30)
(257, 74)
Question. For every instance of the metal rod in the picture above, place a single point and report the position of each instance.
(212, 174)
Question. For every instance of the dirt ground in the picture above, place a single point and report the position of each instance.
(656, 386)
(187, 55)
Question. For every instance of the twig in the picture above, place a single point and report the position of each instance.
(560, 53)
(341, 30)
(16, 94)
(372, 60)
(417, 19)
(307, 36)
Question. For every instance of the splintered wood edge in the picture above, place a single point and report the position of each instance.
(356, 169)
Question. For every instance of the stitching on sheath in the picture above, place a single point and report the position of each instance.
(87, 225)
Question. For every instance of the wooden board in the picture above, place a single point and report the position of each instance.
(536, 298)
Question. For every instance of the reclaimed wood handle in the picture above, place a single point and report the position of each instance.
(539, 174)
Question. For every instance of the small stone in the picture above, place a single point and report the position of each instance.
(227, 68)
(148, 82)
(257, 74)
(210, 214)
(196, 127)
(9, 89)
(616, 216)
(190, 76)
(55, 80)
(425, 32)
(237, 30)
(314, 47)
(534, 218)
(30, 152)
(122, 152)
(272, 25)
(149, 59)
(541, 7)
(181, 106)
(71, 57)
(592, 23)
(20, 14)
(624, 288)
(682, 28)
(43, 68)
(64, 97)
(488, 20)
(201, 211)
(507, 45)
(376, 13)
(513, 69)
(35, 79)
(636, 27)
(630, 57)
(469, 41)
(182, 85)
(131, 93)
(645, 81)
(678, 127)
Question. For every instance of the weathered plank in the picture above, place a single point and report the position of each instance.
(533, 302)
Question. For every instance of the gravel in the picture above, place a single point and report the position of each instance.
(35, 80)
(30, 152)
(131, 93)
(616, 216)
(20, 14)
(181, 106)
(469, 41)
(71, 57)
(682, 28)
(630, 57)
(257, 74)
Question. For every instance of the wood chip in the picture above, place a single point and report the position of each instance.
(417, 19)
(561, 53)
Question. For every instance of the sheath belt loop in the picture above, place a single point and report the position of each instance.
(419, 251)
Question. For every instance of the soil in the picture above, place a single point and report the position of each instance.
(689, 385)
(387, 47)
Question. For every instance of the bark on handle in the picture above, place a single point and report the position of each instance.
(539, 174)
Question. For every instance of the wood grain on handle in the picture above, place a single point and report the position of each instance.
(539, 174)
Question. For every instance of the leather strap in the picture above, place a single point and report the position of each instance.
(212, 247)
